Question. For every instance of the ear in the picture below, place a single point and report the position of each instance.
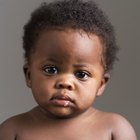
(26, 70)
(103, 84)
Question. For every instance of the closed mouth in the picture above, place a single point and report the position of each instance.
(62, 97)
(61, 100)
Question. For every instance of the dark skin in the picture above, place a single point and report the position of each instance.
(66, 74)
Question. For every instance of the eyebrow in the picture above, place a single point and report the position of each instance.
(53, 60)
(80, 65)
(77, 65)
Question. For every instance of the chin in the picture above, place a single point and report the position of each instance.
(61, 113)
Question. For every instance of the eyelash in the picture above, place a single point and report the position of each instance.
(82, 75)
(47, 70)
(53, 70)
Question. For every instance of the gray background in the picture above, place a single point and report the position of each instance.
(123, 92)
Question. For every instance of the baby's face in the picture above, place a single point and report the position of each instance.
(66, 72)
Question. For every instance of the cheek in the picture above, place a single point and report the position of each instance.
(87, 95)
(41, 90)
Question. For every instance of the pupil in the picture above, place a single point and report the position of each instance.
(81, 74)
(51, 70)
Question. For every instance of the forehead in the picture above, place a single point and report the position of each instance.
(67, 45)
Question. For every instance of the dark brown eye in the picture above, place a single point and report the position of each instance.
(82, 75)
(50, 70)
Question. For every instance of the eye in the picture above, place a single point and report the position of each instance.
(82, 75)
(50, 70)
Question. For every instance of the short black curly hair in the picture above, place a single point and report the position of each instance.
(75, 14)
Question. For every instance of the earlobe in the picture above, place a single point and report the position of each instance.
(103, 84)
(26, 71)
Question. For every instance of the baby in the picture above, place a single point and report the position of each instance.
(70, 50)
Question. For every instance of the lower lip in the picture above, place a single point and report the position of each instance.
(60, 102)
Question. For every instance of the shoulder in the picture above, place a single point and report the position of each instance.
(10, 128)
(120, 128)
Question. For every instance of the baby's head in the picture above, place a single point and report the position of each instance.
(72, 14)
(69, 49)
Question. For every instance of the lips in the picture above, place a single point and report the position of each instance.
(61, 100)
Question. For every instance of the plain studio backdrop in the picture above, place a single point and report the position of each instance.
(123, 91)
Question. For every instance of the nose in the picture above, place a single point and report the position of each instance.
(65, 84)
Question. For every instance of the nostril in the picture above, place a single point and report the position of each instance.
(70, 87)
(60, 86)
